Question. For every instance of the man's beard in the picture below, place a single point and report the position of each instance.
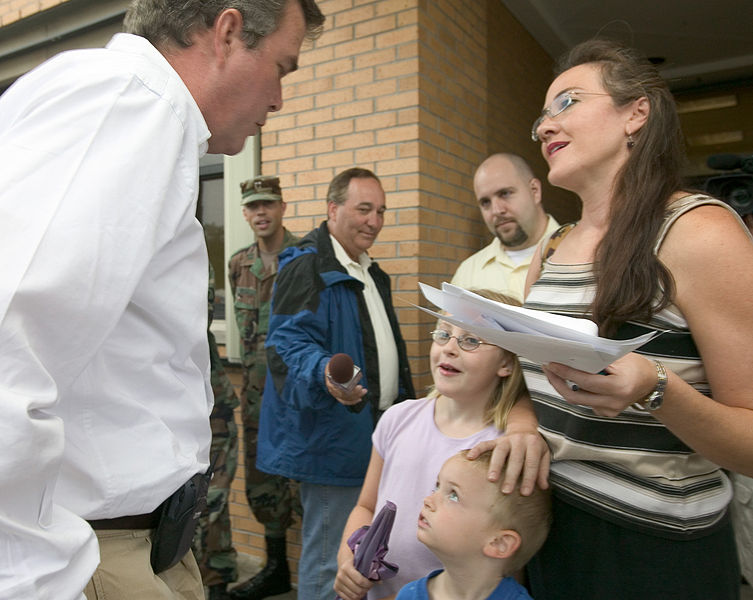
(518, 237)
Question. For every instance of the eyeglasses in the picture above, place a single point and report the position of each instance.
(561, 103)
(469, 343)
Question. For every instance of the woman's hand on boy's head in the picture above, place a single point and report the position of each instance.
(519, 453)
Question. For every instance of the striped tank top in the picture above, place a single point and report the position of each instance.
(628, 469)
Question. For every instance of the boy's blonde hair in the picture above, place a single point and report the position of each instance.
(530, 516)
(509, 388)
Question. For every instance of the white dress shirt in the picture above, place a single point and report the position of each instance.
(385, 340)
(104, 366)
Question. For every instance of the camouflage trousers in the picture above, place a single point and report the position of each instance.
(273, 499)
(212, 543)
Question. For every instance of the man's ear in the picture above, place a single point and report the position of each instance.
(227, 29)
(535, 186)
(331, 211)
(503, 545)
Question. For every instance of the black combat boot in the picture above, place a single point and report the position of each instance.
(273, 579)
(218, 592)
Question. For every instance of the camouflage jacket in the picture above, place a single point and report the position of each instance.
(252, 288)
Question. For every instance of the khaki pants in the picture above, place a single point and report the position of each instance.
(124, 571)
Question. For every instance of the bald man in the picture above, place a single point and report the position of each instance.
(509, 197)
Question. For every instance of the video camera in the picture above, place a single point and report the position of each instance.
(736, 188)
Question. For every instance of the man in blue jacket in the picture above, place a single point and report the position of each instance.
(330, 298)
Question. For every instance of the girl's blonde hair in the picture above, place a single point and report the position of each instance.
(508, 389)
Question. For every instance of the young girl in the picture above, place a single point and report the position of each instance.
(475, 385)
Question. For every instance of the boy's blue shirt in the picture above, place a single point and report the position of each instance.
(508, 589)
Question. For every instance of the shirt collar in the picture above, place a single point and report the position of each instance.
(344, 258)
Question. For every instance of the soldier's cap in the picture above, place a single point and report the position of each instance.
(263, 187)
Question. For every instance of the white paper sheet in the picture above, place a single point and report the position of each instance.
(539, 336)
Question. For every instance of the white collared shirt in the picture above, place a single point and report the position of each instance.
(385, 341)
(104, 362)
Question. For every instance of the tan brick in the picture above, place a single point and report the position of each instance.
(335, 97)
(334, 67)
(295, 165)
(407, 51)
(293, 105)
(356, 47)
(317, 56)
(300, 225)
(278, 152)
(312, 208)
(356, 15)
(397, 134)
(335, 35)
(377, 153)
(408, 83)
(334, 128)
(355, 140)
(378, 57)
(297, 134)
(401, 100)
(381, 88)
(354, 78)
(330, 7)
(397, 37)
(408, 182)
(314, 117)
(335, 159)
(393, 6)
(375, 26)
(353, 109)
(408, 17)
(316, 86)
(376, 121)
(403, 165)
(297, 193)
(319, 176)
(315, 147)
(397, 69)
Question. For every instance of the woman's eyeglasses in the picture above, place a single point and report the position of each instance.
(469, 343)
(560, 104)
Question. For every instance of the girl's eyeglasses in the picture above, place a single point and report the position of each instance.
(469, 343)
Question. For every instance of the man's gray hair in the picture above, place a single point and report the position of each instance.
(173, 22)
(338, 187)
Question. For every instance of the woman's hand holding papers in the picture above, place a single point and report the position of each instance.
(628, 380)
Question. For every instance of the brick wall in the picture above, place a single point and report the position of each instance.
(13, 10)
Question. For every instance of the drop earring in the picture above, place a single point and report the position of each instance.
(630, 141)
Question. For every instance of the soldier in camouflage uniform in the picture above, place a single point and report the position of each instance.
(212, 542)
(252, 271)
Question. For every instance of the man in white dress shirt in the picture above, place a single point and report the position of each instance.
(104, 362)
(509, 197)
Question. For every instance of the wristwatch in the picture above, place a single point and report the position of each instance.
(654, 399)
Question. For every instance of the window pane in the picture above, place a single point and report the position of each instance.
(210, 213)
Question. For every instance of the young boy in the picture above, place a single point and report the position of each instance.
(481, 535)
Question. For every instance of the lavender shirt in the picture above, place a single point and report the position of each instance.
(413, 450)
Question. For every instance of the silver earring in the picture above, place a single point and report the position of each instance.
(631, 141)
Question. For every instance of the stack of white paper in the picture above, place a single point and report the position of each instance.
(539, 336)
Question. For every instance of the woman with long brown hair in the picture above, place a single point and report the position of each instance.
(638, 451)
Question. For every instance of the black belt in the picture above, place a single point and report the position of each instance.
(135, 522)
